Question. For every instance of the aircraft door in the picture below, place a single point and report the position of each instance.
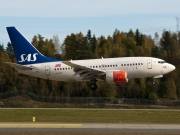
(149, 64)
(47, 70)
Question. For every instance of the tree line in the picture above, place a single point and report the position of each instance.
(79, 46)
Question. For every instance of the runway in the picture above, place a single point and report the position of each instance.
(87, 127)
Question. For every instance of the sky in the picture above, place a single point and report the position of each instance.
(102, 17)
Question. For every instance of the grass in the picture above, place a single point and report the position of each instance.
(97, 116)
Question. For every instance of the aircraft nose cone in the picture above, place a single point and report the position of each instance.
(171, 67)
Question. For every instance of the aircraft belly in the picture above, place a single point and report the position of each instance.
(30, 73)
(155, 71)
(35, 71)
(136, 72)
(62, 76)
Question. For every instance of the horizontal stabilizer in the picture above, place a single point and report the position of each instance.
(18, 66)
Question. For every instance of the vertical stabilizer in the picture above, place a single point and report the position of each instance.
(25, 52)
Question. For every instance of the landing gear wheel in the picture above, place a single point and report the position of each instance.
(93, 86)
(154, 82)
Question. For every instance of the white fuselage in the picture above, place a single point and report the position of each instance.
(136, 67)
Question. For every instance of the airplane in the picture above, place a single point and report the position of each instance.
(111, 70)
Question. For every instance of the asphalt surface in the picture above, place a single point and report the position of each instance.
(89, 127)
(178, 110)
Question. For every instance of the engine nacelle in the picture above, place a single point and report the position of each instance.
(118, 77)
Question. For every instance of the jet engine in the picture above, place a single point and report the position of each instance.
(117, 77)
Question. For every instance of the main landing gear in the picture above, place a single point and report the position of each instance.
(93, 85)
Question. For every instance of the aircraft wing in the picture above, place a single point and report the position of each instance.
(18, 66)
(85, 72)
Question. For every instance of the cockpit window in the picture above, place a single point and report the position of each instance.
(161, 62)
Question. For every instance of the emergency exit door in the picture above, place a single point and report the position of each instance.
(149, 64)
(47, 70)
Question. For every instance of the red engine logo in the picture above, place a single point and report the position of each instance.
(120, 77)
